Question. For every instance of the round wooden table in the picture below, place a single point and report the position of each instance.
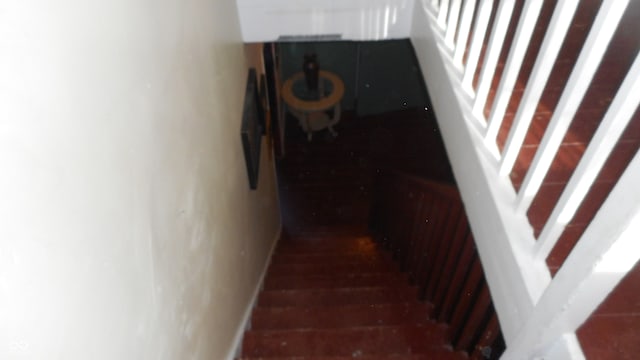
(311, 113)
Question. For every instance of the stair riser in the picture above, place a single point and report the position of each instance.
(329, 282)
(309, 259)
(339, 317)
(433, 354)
(352, 342)
(354, 296)
(331, 269)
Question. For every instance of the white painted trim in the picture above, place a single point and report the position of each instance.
(604, 140)
(549, 50)
(442, 13)
(463, 33)
(601, 32)
(519, 46)
(606, 252)
(266, 21)
(494, 48)
(479, 31)
(452, 22)
(236, 345)
(538, 315)
(432, 6)
(565, 347)
(504, 238)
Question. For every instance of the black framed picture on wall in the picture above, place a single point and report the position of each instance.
(252, 128)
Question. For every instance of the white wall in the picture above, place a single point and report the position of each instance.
(266, 20)
(127, 227)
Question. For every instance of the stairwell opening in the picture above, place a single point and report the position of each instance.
(348, 278)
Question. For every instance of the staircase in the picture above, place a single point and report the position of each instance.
(331, 291)
(336, 296)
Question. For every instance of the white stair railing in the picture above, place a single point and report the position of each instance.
(538, 314)
(592, 52)
(541, 70)
(512, 67)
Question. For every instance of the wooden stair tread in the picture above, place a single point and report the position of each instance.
(306, 317)
(332, 269)
(337, 297)
(377, 340)
(317, 243)
(277, 282)
(432, 354)
(314, 258)
(340, 297)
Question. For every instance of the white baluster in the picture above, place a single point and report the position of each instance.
(528, 19)
(479, 30)
(435, 4)
(452, 22)
(609, 131)
(442, 14)
(496, 41)
(602, 30)
(463, 33)
(606, 252)
(551, 44)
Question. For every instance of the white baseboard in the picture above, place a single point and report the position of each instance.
(236, 345)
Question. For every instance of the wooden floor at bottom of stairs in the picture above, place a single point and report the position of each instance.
(341, 297)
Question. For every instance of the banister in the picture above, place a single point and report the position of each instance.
(540, 314)
(592, 52)
(554, 37)
(424, 224)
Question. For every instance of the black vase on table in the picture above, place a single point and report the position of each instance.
(311, 71)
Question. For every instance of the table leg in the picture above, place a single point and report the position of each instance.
(309, 130)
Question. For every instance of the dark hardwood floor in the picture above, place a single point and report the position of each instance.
(326, 183)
